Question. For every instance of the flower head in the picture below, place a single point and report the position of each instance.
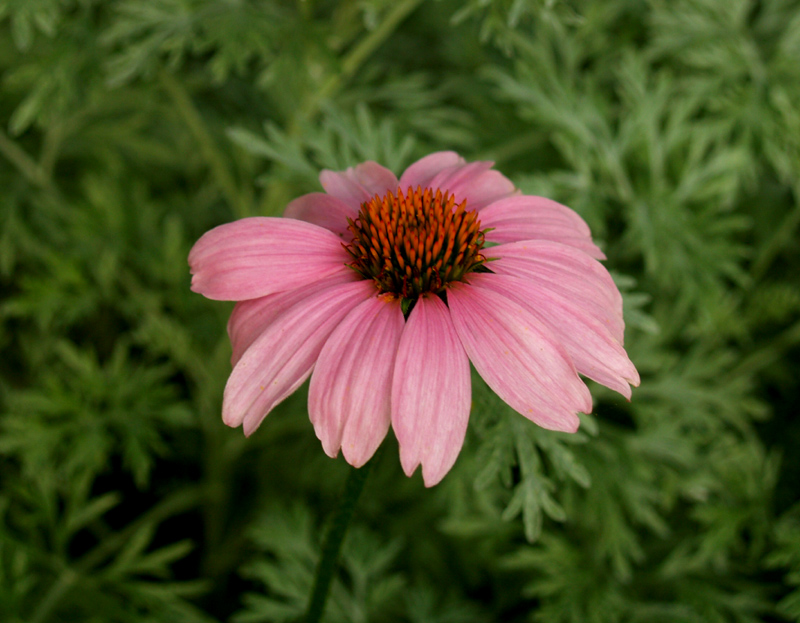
(383, 290)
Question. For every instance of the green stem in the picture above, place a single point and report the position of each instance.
(51, 144)
(207, 145)
(23, 162)
(276, 194)
(359, 54)
(783, 235)
(333, 542)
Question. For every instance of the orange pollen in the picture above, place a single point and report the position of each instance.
(415, 242)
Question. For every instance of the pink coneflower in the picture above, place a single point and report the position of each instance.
(384, 290)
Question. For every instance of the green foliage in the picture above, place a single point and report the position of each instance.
(292, 538)
(129, 128)
(787, 555)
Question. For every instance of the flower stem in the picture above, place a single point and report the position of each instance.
(333, 541)
(206, 143)
(360, 53)
(26, 165)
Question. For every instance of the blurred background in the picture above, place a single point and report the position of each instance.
(130, 127)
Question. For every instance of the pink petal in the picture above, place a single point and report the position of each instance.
(474, 182)
(594, 351)
(358, 184)
(251, 318)
(565, 271)
(431, 393)
(257, 256)
(376, 178)
(517, 357)
(349, 400)
(323, 210)
(281, 358)
(525, 217)
(485, 188)
(340, 185)
(453, 178)
(423, 171)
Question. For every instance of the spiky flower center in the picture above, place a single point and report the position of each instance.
(415, 242)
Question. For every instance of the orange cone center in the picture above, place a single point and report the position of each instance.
(415, 242)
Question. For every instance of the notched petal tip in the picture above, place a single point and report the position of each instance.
(196, 285)
(430, 391)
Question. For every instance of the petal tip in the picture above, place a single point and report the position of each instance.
(408, 462)
(232, 420)
(431, 478)
(572, 425)
(250, 425)
(355, 456)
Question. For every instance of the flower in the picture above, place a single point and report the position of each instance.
(383, 290)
